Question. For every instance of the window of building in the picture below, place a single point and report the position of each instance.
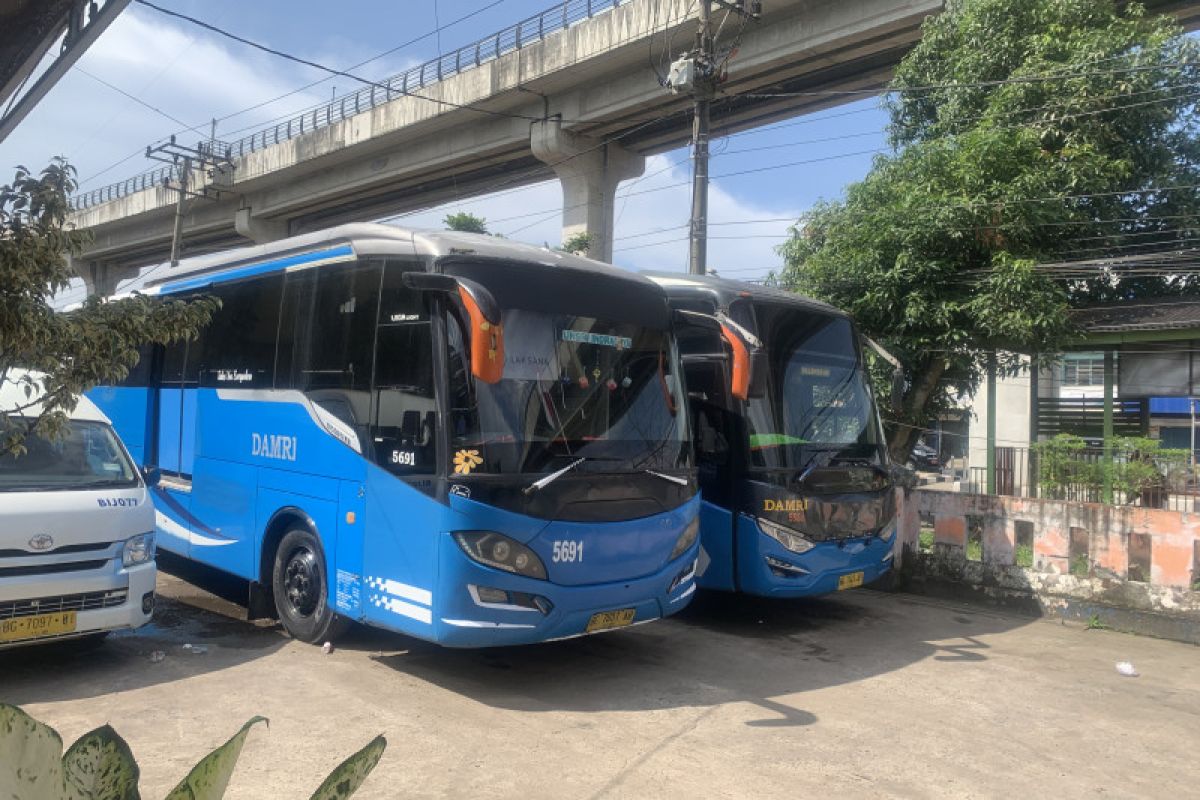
(1083, 369)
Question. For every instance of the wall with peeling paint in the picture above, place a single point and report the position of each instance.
(1124, 567)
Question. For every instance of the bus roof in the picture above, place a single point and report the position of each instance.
(724, 291)
(346, 242)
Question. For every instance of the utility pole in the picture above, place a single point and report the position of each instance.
(697, 72)
(702, 94)
(213, 156)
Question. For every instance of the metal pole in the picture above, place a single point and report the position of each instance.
(698, 252)
(177, 237)
(991, 423)
(1108, 426)
(1031, 464)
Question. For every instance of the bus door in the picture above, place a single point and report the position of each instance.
(173, 443)
(404, 516)
(715, 430)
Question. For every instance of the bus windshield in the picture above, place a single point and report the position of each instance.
(87, 456)
(818, 403)
(573, 388)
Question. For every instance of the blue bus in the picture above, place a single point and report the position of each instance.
(447, 435)
(798, 496)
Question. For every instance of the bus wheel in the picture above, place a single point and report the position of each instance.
(299, 584)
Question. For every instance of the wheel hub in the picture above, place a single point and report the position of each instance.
(302, 582)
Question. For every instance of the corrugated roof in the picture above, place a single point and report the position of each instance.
(1146, 315)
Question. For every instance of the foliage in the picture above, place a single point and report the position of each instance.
(1024, 556)
(465, 222)
(1094, 623)
(1025, 132)
(1136, 468)
(577, 244)
(100, 765)
(95, 344)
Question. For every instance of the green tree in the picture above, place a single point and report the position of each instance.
(465, 222)
(577, 244)
(1025, 133)
(92, 345)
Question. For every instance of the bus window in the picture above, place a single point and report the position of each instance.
(238, 350)
(327, 337)
(405, 415)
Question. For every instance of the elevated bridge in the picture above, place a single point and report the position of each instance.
(574, 92)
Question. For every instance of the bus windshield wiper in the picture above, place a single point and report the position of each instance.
(543, 482)
(666, 477)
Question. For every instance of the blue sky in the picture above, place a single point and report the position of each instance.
(193, 75)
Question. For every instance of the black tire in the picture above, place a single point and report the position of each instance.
(299, 584)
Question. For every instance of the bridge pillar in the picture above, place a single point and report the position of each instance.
(99, 279)
(257, 229)
(589, 171)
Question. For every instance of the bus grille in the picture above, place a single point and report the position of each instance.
(90, 601)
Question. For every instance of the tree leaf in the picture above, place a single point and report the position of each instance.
(100, 766)
(209, 779)
(350, 774)
(30, 757)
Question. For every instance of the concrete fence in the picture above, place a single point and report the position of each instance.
(1124, 567)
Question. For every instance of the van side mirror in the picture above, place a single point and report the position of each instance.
(151, 475)
(482, 315)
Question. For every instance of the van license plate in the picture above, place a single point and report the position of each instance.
(851, 580)
(35, 627)
(611, 619)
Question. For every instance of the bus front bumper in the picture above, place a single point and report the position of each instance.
(771, 570)
(537, 611)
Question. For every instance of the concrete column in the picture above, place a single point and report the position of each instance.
(257, 229)
(589, 171)
(100, 279)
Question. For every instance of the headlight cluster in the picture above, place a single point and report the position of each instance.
(686, 539)
(138, 550)
(494, 550)
(787, 537)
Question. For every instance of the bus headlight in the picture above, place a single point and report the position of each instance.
(138, 550)
(495, 550)
(686, 539)
(787, 537)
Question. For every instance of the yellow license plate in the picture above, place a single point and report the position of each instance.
(850, 581)
(610, 619)
(35, 627)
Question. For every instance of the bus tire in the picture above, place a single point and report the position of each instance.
(299, 583)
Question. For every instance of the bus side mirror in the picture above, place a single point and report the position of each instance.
(897, 398)
(758, 373)
(482, 314)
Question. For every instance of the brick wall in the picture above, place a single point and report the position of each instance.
(1124, 566)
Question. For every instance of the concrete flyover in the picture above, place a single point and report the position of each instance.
(581, 100)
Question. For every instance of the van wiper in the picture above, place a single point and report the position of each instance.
(545, 481)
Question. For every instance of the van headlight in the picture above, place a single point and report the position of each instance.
(686, 539)
(138, 550)
(496, 550)
(787, 537)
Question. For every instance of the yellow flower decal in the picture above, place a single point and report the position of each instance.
(465, 461)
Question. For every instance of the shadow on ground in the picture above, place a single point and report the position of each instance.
(197, 628)
(722, 649)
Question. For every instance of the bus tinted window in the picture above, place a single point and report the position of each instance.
(238, 348)
(405, 413)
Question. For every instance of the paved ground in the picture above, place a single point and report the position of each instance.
(861, 694)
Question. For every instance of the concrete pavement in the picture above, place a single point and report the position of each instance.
(863, 693)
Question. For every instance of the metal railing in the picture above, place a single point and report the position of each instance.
(1082, 475)
(528, 31)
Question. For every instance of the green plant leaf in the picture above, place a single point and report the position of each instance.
(100, 766)
(30, 757)
(209, 778)
(345, 780)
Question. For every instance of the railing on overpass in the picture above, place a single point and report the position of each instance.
(533, 29)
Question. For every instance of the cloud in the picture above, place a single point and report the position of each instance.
(651, 221)
(186, 73)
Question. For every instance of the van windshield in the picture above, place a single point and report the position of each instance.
(87, 457)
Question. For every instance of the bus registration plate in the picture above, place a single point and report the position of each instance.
(850, 580)
(611, 619)
(35, 627)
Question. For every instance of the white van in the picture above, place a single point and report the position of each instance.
(76, 530)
